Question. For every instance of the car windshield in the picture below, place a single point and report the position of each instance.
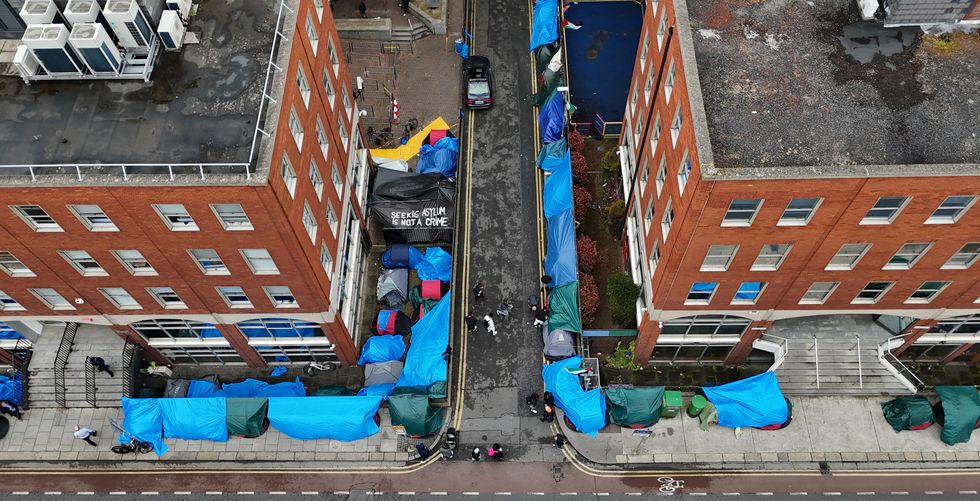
(479, 88)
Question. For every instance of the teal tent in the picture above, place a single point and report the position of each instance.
(413, 411)
(635, 407)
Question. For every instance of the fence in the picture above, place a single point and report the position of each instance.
(130, 366)
(90, 388)
(61, 362)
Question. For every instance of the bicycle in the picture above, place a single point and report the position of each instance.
(133, 445)
(313, 368)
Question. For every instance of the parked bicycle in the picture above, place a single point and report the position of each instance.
(313, 368)
(131, 444)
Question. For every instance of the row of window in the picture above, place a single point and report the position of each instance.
(233, 296)
(771, 256)
(799, 211)
(702, 293)
(231, 216)
(309, 220)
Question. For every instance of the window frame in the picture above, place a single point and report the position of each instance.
(322, 139)
(296, 129)
(893, 213)
(279, 304)
(757, 266)
(250, 261)
(87, 222)
(943, 284)
(316, 180)
(711, 295)
(684, 172)
(881, 293)
(725, 222)
(197, 256)
(190, 225)
(311, 34)
(5, 265)
(667, 220)
(963, 250)
(754, 300)
(706, 267)
(288, 174)
(303, 84)
(327, 268)
(157, 294)
(233, 224)
(32, 223)
(795, 221)
(661, 179)
(36, 292)
(907, 266)
(309, 222)
(112, 298)
(669, 82)
(334, 57)
(327, 81)
(952, 219)
(8, 303)
(854, 262)
(75, 262)
(826, 293)
(152, 272)
(676, 125)
(225, 296)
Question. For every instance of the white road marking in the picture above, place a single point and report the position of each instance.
(52, 493)
(470, 493)
(246, 493)
(568, 494)
(797, 494)
(20, 493)
(317, 493)
(634, 493)
(341, 493)
(213, 493)
(536, 493)
(86, 493)
(117, 493)
(763, 494)
(182, 493)
(501, 494)
(899, 493)
(968, 492)
(731, 493)
(934, 493)
(866, 493)
(831, 494)
(440, 493)
(277, 493)
(150, 493)
(602, 494)
(406, 493)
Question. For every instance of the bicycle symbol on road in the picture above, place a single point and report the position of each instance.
(668, 484)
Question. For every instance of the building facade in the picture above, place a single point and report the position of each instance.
(750, 200)
(220, 218)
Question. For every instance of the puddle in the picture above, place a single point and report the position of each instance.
(863, 41)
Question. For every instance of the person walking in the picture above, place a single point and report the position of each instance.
(9, 408)
(549, 414)
(405, 7)
(476, 455)
(498, 452)
(532, 402)
(560, 440)
(540, 316)
(478, 291)
(362, 9)
(549, 398)
(86, 434)
(423, 451)
(100, 365)
(470, 320)
(488, 323)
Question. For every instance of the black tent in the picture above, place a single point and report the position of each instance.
(414, 207)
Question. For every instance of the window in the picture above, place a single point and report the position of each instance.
(309, 222)
(964, 258)
(312, 35)
(304, 85)
(338, 184)
(719, 257)
(669, 82)
(661, 29)
(167, 298)
(134, 262)
(93, 218)
(342, 131)
(289, 176)
(334, 60)
(644, 50)
(872, 292)
(645, 176)
(348, 107)
(296, 128)
(176, 217)
(741, 212)
(951, 209)
(667, 220)
(281, 297)
(36, 218)
(885, 210)
(661, 175)
(847, 257)
(683, 173)
(654, 259)
(648, 217)
(636, 93)
(770, 257)
(906, 256)
(798, 212)
(12, 266)
(84, 263)
(326, 260)
(260, 261)
(748, 292)
(316, 180)
(120, 298)
(321, 139)
(648, 86)
(818, 292)
(927, 292)
(638, 131)
(52, 299)
(655, 135)
(232, 217)
(332, 219)
(8, 303)
(318, 6)
(675, 126)
(328, 86)
(209, 261)
(701, 293)
(234, 297)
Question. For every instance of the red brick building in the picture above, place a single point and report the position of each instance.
(773, 172)
(213, 214)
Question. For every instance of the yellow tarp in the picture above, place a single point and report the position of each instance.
(410, 149)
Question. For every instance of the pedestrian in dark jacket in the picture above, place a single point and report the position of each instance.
(405, 7)
(532, 402)
(549, 414)
(423, 451)
(498, 452)
(559, 441)
(478, 291)
(100, 365)
(8, 407)
(476, 455)
(362, 9)
(549, 398)
(470, 320)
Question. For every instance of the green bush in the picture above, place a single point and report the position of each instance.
(622, 358)
(617, 218)
(622, 294)
(610, 163)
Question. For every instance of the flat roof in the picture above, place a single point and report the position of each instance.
(805, 83)
(200, 106)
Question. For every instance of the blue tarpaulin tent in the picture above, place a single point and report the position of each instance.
(544, 28)
(756, 402)
(379, 349)
(549, 163)
(561, 260)
(553, 153)
(194, 418)
(144, 421)
(437, 264)
(440, 157)
(256, 388)
(425, 365)
(338, 418)
(11, 389)
(585, 409)
(200, 388)
(8, 332)
(558, 191)
(401, 256)
(551, 119)
(377, 390)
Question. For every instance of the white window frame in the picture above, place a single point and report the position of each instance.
(328, 86)
(742, 222)
(644, 49)
(348, 105)
(688, 300)
(46, 297)
(636, 94)
(857, 257)
(648, 216)
(889, 211)
(171, 216)
(322, 139)
(318, 7)
(960, 209)
(880, 293)
(309, 222)
(667, 219)
(966, 255)
(661, 30)
(661, 179)
(280, 290)
(338, 182)
(669, 82)
(288, 176)
(41, 221)
(113, 295)
(903, 251)
(654, 259)
(254, 256)
(312, 35)
(76, 257)
(933, 292)
(767, 253)
(127, 262)
(644, 175)
(202, 256)
(684, 172)
(158, 294)
(762, 289)
(819, 288)
(304, 85)
(344, 135)
(648, 86)
(92, 216)
(232, 219)
(296, 128)
(227, 291)
(326, 260)
(785, 220)
(716, 254)
(7, 262)
(332, 221)
(655, 134)
(675, 126)
(8, 303)
(316, 180)
(334, 58)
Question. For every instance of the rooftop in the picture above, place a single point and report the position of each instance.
(804, 83)
(200, 106)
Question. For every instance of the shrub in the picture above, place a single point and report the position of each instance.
(580, 166)
(622, 294)
(610, 163)
(617, 218)
(622, 358)
(588, 293)
(575, 141)
(588, 253)
(581, 198)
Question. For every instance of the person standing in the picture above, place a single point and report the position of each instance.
(363, 10)
(488, 323)
(549, 398)
(8, 407)
(470, 320)
(476, 455)
(100, 365)
(86, 435)
(549, 414)
(559, 440)
(498, 452)
(540, 316)
(405, 7)
(532, 402)
(478, 291)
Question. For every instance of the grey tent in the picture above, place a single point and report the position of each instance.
(559, 344)
(383, 373)
(393, 287)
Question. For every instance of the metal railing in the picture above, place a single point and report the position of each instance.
(81, 171)
(130, 365)
(90, 388)
(778, 346)
(267, 85)
(61, 362)
(896, 367)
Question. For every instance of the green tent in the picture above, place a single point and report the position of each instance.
(333, 391)
(635, 406)
(961, 411)
(414, 413)
(563, 308)
(246, 416)
(908, 412)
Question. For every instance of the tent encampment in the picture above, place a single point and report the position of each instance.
(425, 365)
(392, 322)
(559, 344)
(401, 256)
(246, 417)
(379, 349)
(961, 412)
(414, 207)
(412, 410)
(195, 418)
(585, 409)
(437, 264)
(908, 412)
(754, 402)
(393, 287)
(338, 418)
(635, 407)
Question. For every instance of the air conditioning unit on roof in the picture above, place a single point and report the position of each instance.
(183, 7)
(171, 30)
(129, 23)
(95, 46)
(41, 12)
(49, 44)
(86, 11)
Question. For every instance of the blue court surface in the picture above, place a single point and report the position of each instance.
(601, 56)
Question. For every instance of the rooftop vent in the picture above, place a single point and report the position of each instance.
(37, 6)
(33, 32)
(79, 6)
(52, 32)
(83, 32)
(119, 6)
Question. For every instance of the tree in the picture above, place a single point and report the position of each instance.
(580, 166)
(588, 253)
(588, 293)
(622, 294)
(575, 141)
(617, 218)
(581, 198)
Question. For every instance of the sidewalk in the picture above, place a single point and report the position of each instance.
(830, 429)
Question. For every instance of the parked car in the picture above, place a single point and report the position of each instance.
(477, 83)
